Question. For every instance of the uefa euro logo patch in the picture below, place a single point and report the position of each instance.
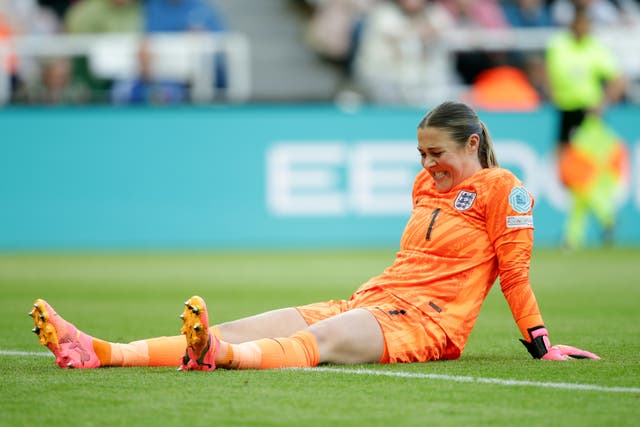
(464, 200)
(520, 200)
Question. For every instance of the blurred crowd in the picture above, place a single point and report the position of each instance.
(64, 79)
(390, 51)
(395, 51)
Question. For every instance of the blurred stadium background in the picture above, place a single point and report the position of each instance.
(155, 149)
(257, 133)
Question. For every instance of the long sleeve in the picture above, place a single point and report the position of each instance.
(510, 225)
(514, 256)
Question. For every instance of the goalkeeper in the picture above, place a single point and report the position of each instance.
(471, 222)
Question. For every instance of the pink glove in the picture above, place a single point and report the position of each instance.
(540, 348)
(566, 352)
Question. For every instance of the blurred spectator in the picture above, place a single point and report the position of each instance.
(29, 17)
(508, 83)
(162, 16)
(588, 152)
(100, 17)
(476, 14)
(55, 85)
(182, 15)
(59, 7)
(400, 58)
(335, 26)
(104, 16)
(146, 89)
(24, 18)
(600, 12)
(527, 13)
(8, 58)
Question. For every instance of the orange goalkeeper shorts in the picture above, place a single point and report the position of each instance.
(409, 334)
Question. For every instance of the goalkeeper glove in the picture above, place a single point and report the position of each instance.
(540, 348)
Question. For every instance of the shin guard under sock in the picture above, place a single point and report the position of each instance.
(162, 351)
(298, 350)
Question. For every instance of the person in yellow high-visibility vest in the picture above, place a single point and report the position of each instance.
(583, 78)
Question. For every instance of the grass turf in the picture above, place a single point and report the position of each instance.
(588, 299)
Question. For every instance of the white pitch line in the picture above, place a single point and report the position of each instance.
(400, 374)
(25, 353)
(464, 379)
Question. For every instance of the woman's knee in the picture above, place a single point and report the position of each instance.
(351, 337)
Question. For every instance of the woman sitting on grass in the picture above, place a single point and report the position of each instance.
(471, 222)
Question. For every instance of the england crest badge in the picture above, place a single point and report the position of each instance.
(464, 200)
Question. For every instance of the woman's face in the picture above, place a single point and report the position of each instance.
(447, 162)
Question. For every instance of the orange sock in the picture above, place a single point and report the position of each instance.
(299, 350)
(166, 351)
(103, 351)
(132, 354)
(162, 351)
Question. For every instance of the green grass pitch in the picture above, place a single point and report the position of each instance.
(588, 299)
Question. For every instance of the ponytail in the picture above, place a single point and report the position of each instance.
(486, 155)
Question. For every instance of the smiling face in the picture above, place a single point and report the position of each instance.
(448, 162)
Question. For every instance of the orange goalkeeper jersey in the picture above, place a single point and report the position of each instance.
(456, 244)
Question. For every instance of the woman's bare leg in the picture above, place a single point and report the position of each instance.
(271, 324)
(351, 337)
